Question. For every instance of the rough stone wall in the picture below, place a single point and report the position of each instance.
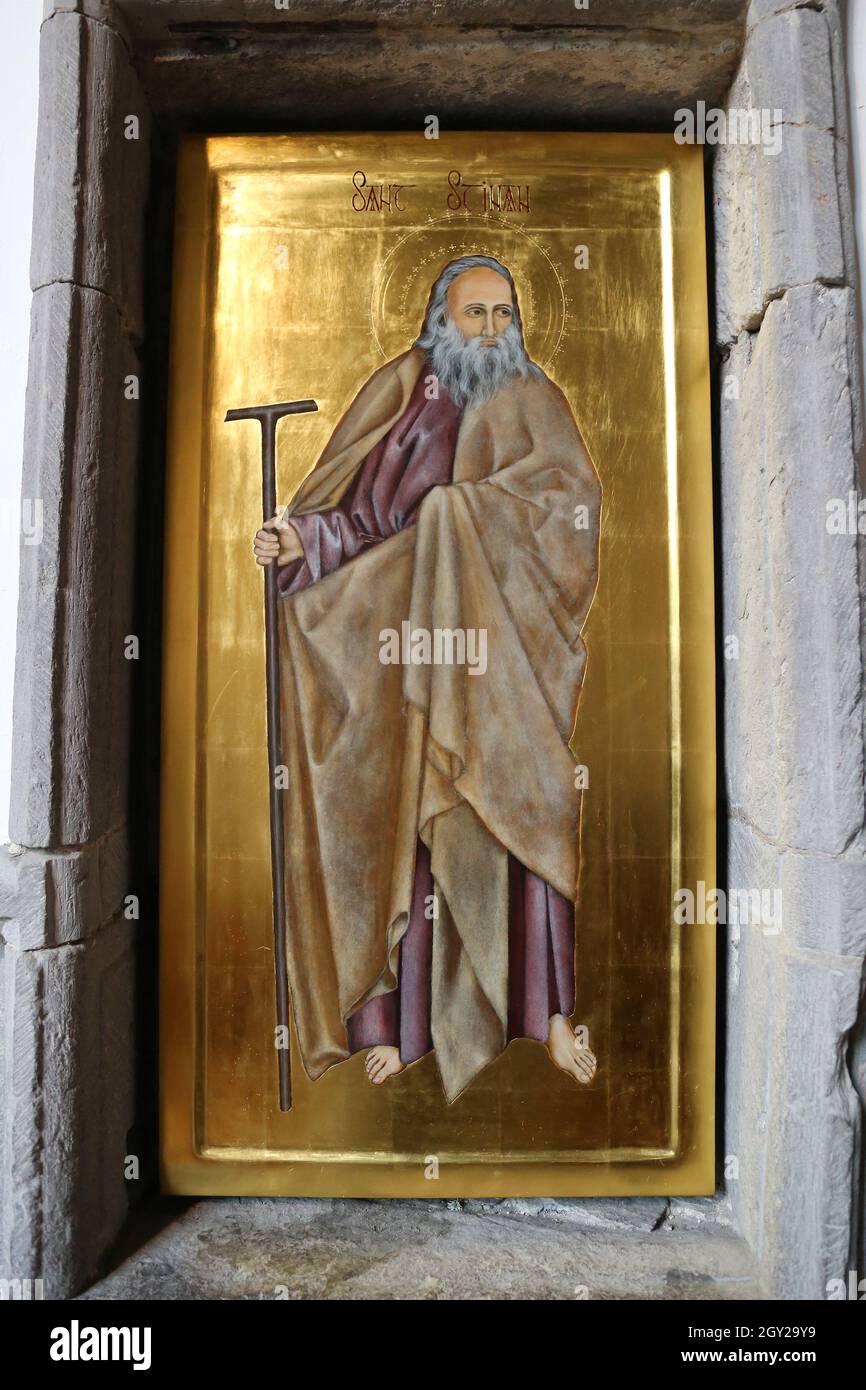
(68, 1014)
(791, 433)
(70, 994)
(500, 64)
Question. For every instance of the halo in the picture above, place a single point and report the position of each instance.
(401, 286)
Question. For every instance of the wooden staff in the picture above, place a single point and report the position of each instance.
(268, 417)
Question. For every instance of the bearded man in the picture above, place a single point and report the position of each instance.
(433, 811)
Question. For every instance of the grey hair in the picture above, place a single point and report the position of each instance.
(436, 315)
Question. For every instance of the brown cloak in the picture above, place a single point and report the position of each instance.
(475, 764)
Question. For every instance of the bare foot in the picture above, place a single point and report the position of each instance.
(381, 1063)
(567, 1053)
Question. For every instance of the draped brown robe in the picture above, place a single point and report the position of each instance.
(476, 766)
(416, 455)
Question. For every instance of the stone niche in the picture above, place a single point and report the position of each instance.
(77, 970)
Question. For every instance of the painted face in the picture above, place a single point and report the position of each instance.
(480, 304)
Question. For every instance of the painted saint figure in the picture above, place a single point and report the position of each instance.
(433, 813)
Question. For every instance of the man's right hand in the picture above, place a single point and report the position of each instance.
(277, 540)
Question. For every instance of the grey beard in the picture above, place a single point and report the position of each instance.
(470, 372)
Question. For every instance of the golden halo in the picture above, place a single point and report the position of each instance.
(404, 277)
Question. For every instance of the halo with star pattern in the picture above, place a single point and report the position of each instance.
(407, 272)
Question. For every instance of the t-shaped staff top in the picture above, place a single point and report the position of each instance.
(268, 413)
(268, 417)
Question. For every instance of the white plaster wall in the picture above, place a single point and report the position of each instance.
(19, 66)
